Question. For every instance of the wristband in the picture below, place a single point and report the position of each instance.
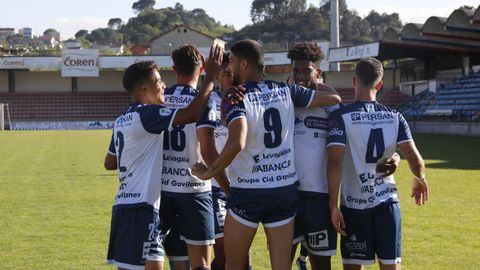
(420, 179)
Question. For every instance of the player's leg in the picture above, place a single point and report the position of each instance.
(219, 209)
(132, 229)
(278, 222)
(388, 236)
(238, 238)
(298, 237)
(301, 262)
(196, 227)
(320, 236)
(358, 246)
(278, 238)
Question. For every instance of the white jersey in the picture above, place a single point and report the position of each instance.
(221, 132)
(310, 141)
(267, 161)
(370, 132)
(181, 148)
(137, 142)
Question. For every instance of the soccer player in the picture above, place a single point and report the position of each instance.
(360, 136)
(136, 151)
(263, 180)
(187, 200)
(312, 223)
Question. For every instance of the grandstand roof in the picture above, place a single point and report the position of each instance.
(457, 34)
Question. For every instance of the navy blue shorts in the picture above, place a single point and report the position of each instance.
(271, 207)
(219, 210)
(175, 248)
(312, 224)
(135, 237)
(192, 213)
(372, 231)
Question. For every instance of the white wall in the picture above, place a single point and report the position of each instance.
(27, 81)
(457, 128)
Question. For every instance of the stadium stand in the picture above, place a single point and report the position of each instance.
(65, 106)
(458, 101)
(392, 98)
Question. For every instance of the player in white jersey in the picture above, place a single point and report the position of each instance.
(187, 200)
(263, 180)
(136, 151)
(312, 223)
(360, 136)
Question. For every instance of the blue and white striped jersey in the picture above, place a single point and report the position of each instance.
(370, 132)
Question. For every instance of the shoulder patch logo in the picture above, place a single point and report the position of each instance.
(165, 112)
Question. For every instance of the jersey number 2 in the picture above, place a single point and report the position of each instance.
(120, 144)
(375, 146)
(273, 125)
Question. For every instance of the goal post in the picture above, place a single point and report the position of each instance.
(2, 116)
(5, 116)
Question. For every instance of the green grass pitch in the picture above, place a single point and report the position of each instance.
(55, 203)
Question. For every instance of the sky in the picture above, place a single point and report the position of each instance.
(68, 16)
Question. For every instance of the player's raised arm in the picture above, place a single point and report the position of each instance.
(193, 112)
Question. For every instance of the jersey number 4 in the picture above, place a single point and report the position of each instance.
(375, 146)
(273, 125)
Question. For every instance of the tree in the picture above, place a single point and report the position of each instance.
(81, 34)
(142, 5)
(51, 32)
(262, 10)
(115, 23)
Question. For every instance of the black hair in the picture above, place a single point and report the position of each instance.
(138, 73)
(249, 50)
(306, 51)
(369, 70)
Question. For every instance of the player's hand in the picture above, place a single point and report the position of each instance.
(387, 166)
(338, 223)
(213, 65)
(234, 95)
(420, 191)
(199, 170)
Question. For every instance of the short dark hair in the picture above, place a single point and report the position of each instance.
(186, 59)
(306, 51)
(249, 50)
(369, 70)
(138, 73)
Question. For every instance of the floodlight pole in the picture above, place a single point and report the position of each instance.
(334, 31)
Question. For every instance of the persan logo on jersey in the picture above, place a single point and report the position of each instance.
(377, 116)
(124, 119)
(259, 97)
(178, 99)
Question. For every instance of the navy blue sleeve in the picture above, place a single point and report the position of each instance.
(236, 111)
(155, 118)
(404, 134)
(301, 96)
(111, 147)
(209, 117)
(336, 129)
